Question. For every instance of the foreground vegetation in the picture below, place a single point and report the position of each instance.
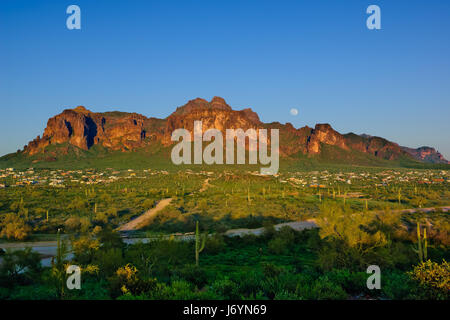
(278, 265)
(357, 212)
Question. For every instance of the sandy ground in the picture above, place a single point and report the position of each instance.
(145, 218)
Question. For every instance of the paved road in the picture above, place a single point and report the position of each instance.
(296, 225)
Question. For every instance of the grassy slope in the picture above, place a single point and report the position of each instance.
(66, 156)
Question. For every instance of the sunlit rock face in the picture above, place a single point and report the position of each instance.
(123, 131)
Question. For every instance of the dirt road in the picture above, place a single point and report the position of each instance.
(146, 217)
(205, 185)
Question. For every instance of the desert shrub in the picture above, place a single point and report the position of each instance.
(398, 286)
(351, 282)
(249, 239)
(14, 227)
(271, 271)
(321, 289)
(97, 230)
(112, 212)
(351, 228)
(434, 278)
(250, 283)
(85, 224)
(77, 204)
(110, 239)
(126, 280)
(269, 230)
(276, 280)
(286, 295)
(180, 290)
(92, 289)
(159, 258)
(226, 289)
(335, 254)
(214, 244)
(101, 217)
(108, 260)
(15, 206)
(148, 203)
(73, 223)
(19, 267)
(84, 249)
(35, 292)
(397, 255)
(40, 212)
(193, 274)
(282, 241)
(277, 246)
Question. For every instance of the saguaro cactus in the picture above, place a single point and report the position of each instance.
(422, 244)
(200, 240)
(425, 242)
(58, 267)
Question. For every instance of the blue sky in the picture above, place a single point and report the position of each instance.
(152, 56)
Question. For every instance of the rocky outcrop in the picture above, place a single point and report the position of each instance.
(130, 131)
(323, 133)
(426, 154)
(84, 129)
(215, 114)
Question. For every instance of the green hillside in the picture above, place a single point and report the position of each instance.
(66, 156)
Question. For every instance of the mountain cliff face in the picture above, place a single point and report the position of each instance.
(426, 154)
(130, 131)
(83, 129)
(215, 114)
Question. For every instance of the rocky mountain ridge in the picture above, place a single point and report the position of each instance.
(130, 131)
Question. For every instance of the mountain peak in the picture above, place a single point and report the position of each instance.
(81, 109)
(217, 103)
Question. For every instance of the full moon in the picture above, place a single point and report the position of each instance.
(294, 111)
